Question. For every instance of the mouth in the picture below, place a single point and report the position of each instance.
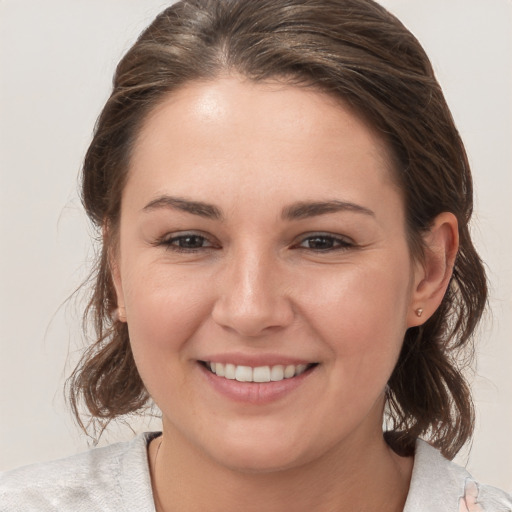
(258, 374)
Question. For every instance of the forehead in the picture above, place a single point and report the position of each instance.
(257, 137)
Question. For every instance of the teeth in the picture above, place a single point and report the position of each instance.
(258, 374)
(261, 374)
(229, 372)
(243, 374)
(277, 373)
(301, 368)
(289, 371)
(220, 369)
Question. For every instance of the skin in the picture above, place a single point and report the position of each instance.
(336, 288)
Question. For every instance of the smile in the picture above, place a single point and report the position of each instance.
(241, 373)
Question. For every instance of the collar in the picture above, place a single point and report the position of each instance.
(437, 484)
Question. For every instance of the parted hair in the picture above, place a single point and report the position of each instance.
(360, 53)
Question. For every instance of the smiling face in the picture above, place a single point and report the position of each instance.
(262, 237)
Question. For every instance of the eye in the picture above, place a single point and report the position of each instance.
(324, 243)
(186, 242)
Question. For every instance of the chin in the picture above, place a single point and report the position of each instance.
(259, 460)
(258, 452)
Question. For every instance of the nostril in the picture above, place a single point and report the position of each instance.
(252, 318)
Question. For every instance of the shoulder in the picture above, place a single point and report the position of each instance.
(439, 485)
(100, 479)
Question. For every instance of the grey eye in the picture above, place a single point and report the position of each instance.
(189, 241)
(320, 242)
(324, 243)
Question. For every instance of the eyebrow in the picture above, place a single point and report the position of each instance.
(304, 209)
(185, 205)
(295, 211)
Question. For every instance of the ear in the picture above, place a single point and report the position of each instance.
(113, 264)
(432, 274)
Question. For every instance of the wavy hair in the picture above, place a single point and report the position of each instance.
(354, 50)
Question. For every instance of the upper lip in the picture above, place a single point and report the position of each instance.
(255, 360)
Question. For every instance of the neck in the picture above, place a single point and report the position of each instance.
(365, 477)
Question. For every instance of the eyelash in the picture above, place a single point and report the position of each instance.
(338, 243)
(172, 242)
(335, 243)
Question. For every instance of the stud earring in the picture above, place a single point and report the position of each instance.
(419, 312)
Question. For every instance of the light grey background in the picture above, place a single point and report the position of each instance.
(56, 62)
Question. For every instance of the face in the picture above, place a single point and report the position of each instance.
(264, 272)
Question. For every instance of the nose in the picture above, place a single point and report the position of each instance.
(252, 296)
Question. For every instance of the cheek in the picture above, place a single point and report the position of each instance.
(361, 317)
(163, 309)
(361, 313)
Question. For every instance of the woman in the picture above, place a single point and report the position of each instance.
(284, 202)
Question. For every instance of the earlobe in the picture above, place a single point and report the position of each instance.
(433, 274)
(119, 313)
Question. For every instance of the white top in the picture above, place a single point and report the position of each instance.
(116, 479)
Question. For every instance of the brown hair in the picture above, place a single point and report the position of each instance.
(359, 52)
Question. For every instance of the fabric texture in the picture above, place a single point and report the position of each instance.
(117, 479)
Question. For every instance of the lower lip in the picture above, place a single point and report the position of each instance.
(259, 393)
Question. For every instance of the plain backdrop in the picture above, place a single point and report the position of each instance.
(56, 62)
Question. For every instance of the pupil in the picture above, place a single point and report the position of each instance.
(320, 243)
(191, 241)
